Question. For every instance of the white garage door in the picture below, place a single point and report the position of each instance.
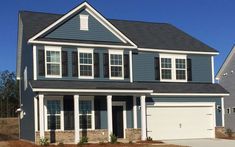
(180, 121)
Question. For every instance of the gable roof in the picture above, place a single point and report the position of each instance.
(148, 35)
(226, 62)
(84, 6)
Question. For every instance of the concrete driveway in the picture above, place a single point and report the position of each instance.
(203, 142)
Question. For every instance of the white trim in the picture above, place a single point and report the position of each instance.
(123, 104)
(227, 60)
(41, 116)
(95, 14)
(172, 104)
(222, 110)
(61, 113)
(81, 44)
(57, 49)
(143, 117)
(76, 119)
(130, 66)
(92, 90)
(177, 51)
(86, 50)
(109, 116)
(35, 114)
(25, 78)
(190, 94)
(212, 70)
(82, 23)
(116, 52)
(173, 68)
(89, 98)
(34, 62)
(135, 112)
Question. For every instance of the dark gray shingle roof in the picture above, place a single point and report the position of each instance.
(156, 87)
(144, 34)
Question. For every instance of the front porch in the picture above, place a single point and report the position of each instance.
(66, 117)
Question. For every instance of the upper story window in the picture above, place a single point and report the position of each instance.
(53, 61)
(85, 63)
(116, 64)
(84, 22)
(173, 68)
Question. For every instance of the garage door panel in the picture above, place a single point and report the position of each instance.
(180, 122)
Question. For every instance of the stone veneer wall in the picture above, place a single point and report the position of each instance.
(133, 134)
(99, 135)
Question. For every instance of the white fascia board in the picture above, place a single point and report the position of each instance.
(177, 51)
(91, 90)
(227, 60)
(190, 94)
(93, 12)
(81, 44)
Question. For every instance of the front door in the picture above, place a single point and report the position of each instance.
(118, 121)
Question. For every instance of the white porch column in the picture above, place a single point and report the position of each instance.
(134, 112)
(76, 119)
(41, 115)
(222, 110)
(109, 117)
(35, 114)
(143, 117)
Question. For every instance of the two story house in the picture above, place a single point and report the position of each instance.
(226, 78)
(82, 74)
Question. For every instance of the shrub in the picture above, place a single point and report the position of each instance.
(149, 138)
(83, 140)
(113, 139)
(229, 132)
(44, 141)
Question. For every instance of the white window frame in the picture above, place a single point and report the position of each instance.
(84, 22)
(228, 110)
(116, 52)
(89, 98)
(85, 50)
(61, 113)
(25, 78)
(173, 58)
(57, 49)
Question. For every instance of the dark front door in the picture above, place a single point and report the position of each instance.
(118, 121)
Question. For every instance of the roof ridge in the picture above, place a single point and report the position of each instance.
(138, 21)
(29, 11)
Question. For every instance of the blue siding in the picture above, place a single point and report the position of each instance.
(71, 30)
(201, 68)
(192, 99)
(143, 67)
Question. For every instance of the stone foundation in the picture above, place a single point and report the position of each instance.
(99, 135)
(133, 134)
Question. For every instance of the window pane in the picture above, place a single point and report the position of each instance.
(180, 63)
(53, 56)
(53, 107)
(85, 70)
(53, 122)
(53, 69)
(166, 62)
(116, 71)
(116, 59)
(85, 121)
(166, 74)
(85, 107)
(180, 75)
(85, 58)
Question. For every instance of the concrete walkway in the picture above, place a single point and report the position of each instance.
(203, 142)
